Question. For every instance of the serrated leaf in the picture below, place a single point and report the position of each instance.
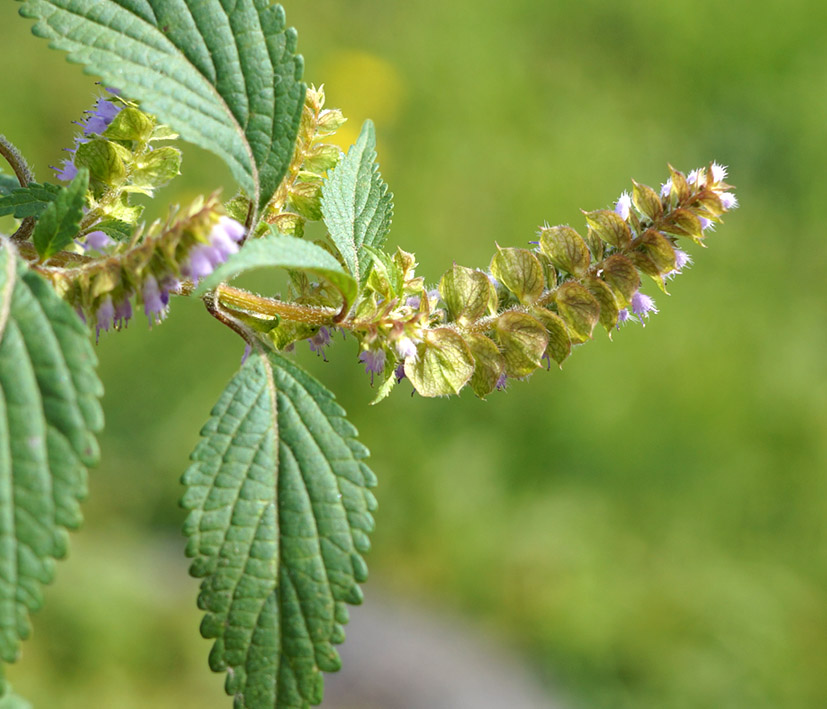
(8, 183)
(49, 414)
(224, 75)
(357, 206)
(279, 517)
(59, 222)
(29, 201)
(277, 250)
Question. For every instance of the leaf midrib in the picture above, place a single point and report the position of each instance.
(177, 52)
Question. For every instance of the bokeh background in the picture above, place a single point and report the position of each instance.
(646, 528)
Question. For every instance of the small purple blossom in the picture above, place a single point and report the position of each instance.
(67, 172)
(399, 372)
(406, 347)
(623, 206)
(728, 200)
(666, 189)
(642, 305)
(153, 297)
(413, 301)
(681, 259)
(123, 312)
(100, 117)
(222, 243)
(374, 361)
(718, 172)
(706, 224)
(319, 341)
(622, 317)
(97, 240)
(502, 381)
(693, 177)
(105, 315)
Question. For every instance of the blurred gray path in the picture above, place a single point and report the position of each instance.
(398, 657)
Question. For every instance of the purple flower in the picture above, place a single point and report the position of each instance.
(622, 317)
(706, 224)
(502, 381)
(405, 347)
(718, 172)
(374, 361)
(123, 312)
(100, 117)
(666, 188)
(728, 200)
(154, 299)
(201, 262)
(399, 372)
(693, 177)
(105, 315)
(682, 259)
(642, 305)
(97, 240)
(623, 206)
(319, 341)
(413, 301)
(68, 172)
(232, 228)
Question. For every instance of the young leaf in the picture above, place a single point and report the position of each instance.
(49, 413)
(279, 517)
(224, 75)
(287, 252)
(357, 207)
(59, 222)
(29, 201)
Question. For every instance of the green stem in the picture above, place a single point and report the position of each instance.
(24, 176)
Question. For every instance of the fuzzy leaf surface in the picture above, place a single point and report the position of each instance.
(278, 250)
(357, 206)
(59, 222)
(224, 75)
(279, 516)
(29, 201)
(49, 414)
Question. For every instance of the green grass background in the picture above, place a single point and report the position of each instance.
(646, 526)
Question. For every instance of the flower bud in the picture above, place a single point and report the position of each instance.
(466, 293)
(524, 341)
(566, 249)
(610, 227)
(520, 272)
(579, 309)
(443, 366)
(489, 364)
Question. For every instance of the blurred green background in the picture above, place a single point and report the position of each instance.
(647, 527)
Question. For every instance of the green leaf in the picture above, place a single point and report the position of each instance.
(8, 183)
(357, 207)
(49, 413)
(279, 517)
(228, 80)
(285, 252)
(60, 221)
(29, 201)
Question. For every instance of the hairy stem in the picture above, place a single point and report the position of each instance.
(24, 176)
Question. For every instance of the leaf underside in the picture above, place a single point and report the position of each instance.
(278, 250)
(49, 414)
(224, 74)
(279, 516)
(357, 206)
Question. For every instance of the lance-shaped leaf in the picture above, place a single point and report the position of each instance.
(279, 517)
(28, 201)
(224, 75)
(285, 252)
(357, 207)
(59, 222)
(49, 414)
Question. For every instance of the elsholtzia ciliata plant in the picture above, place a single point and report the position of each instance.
(278, 492)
